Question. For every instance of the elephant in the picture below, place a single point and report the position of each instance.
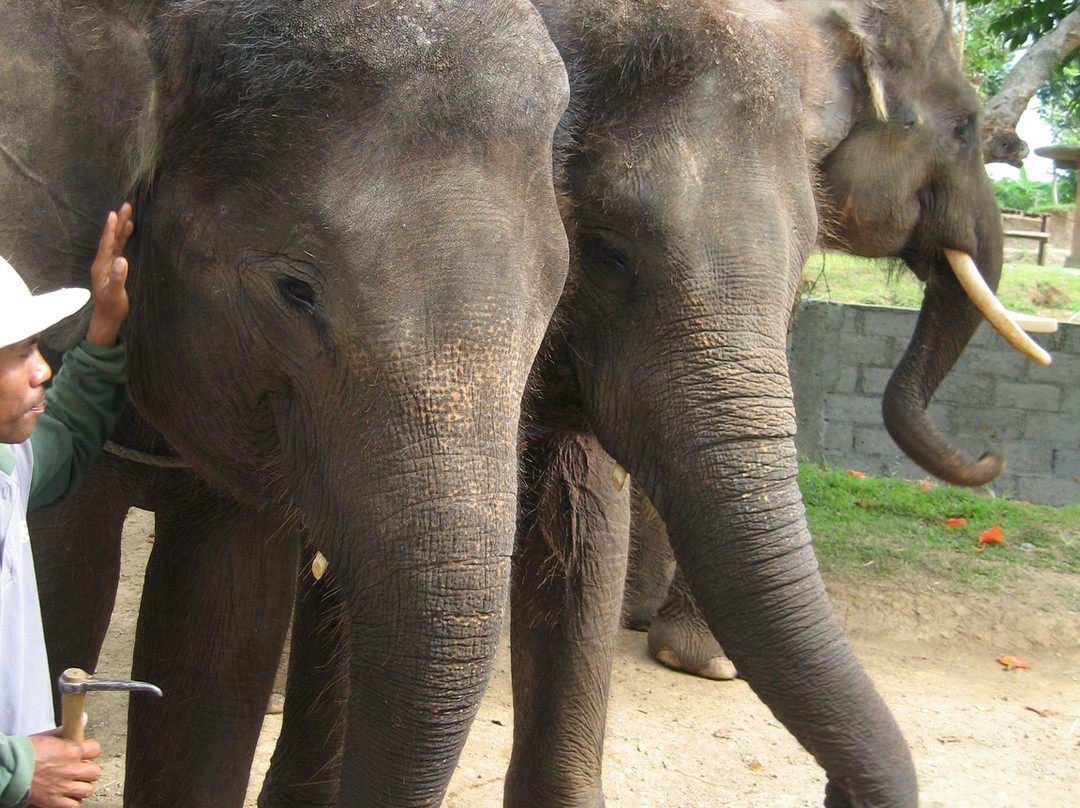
(705, 148)
(347, 251)
(930, 103)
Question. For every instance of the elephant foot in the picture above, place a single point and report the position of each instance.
(680, 639)
(717, 667)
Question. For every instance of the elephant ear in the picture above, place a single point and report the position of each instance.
(852, 75)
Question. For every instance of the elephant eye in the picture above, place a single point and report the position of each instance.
(602, 254)
(298, 293)
(605, 264)
(962, 133)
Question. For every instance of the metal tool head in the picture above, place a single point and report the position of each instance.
(76, 680)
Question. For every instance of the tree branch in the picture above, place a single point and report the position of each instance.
(1000, 141)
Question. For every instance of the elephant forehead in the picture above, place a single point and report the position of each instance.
(427, 65)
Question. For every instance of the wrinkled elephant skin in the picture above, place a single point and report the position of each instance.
(697, 136)
(902, 176)
(347, 250)
(689, 202)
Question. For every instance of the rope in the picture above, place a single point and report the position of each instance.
(160, 461)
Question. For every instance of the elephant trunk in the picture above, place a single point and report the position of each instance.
(736, 521)
(959, 294)
(772, 616)
(426, 618)
(418, 531)
(946, 323)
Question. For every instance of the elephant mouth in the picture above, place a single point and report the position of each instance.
(1011, 325)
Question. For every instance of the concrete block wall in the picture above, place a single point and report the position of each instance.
(841, 357)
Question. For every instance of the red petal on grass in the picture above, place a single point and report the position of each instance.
(924, 485)
(1013, 662)
(955, 521)
(858, 474)
(992, 536)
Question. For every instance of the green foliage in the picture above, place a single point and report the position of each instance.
(997, 29)
(1021, 22)
(986, 56)
(1023, 194)
(882, 525)
(1031, 195)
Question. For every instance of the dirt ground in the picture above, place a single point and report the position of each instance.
(674, 740)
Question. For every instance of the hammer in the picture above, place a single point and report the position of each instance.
(74, 684)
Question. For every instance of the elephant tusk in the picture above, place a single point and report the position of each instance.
(618, 476)
(986, 301)
(319, 565)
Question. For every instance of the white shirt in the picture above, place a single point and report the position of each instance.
(25, 690)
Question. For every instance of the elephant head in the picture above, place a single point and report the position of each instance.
(347, 250)
(897, 136)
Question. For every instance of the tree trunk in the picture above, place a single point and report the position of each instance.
(1000, 141)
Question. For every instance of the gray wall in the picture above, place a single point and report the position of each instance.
(842, 355)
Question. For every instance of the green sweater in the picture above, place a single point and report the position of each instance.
(84, 403)
(16, 768)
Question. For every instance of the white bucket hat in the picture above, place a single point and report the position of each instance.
(22, 315)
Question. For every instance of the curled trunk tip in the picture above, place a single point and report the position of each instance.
(911, 428)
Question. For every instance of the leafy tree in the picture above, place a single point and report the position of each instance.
(986, 55)
(1023, 22)
(1049, 31)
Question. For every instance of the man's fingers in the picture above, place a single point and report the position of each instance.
(108, 234)
(118, 227)
(123, 228)
(90, 750)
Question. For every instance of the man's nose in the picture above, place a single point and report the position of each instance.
(41, 372)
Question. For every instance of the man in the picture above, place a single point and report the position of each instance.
(46, 440)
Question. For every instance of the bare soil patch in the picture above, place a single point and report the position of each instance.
(674, 740)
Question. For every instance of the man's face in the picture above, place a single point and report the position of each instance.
(23, 371)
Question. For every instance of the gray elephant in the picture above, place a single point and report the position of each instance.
(697, 136)
(924, 206)
(347, 250)
(658, 600)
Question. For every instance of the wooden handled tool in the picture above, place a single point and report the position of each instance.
(74, 684)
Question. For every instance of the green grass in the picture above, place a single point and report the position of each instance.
(883, 526)
(1028, 288)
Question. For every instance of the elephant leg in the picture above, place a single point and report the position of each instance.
(77, 561)
(650, 566)
(216, 601)
(569, 572)
(680, 638)
(306, 764)
(658, 598)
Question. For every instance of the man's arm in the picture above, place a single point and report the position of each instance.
(16, 769)
(81, 410)
(85, 400)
